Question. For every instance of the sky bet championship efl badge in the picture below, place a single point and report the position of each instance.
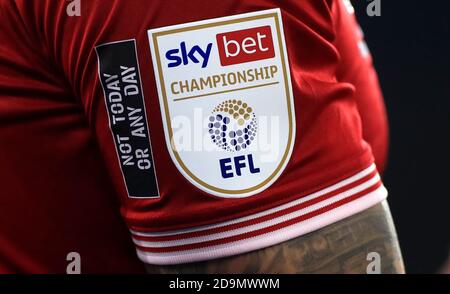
(225, 94)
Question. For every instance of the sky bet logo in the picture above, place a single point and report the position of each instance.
(234, 47)
(174, 56)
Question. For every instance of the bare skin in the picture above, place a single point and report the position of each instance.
(338, 248)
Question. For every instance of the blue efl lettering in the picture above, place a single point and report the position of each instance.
(251, 165)
(239, 163)
(225, 167)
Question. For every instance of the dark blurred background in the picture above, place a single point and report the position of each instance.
(410, 44)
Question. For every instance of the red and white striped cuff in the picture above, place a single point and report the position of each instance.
(266, 228)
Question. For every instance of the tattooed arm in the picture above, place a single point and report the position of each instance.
(339, 248)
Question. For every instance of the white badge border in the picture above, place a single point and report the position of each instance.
(153, 34)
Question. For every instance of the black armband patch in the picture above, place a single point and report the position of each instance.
(121, 82)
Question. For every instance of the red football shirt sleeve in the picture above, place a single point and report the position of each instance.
(82, 50)
(190, 205)
(356, 67)
(55, 196)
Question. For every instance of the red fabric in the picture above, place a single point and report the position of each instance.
(357, 69)
(58, 164)
(262, 218)
(265, 230)
(55, 194)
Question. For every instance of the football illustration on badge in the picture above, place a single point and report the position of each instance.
(226, 100)
(232, 125)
